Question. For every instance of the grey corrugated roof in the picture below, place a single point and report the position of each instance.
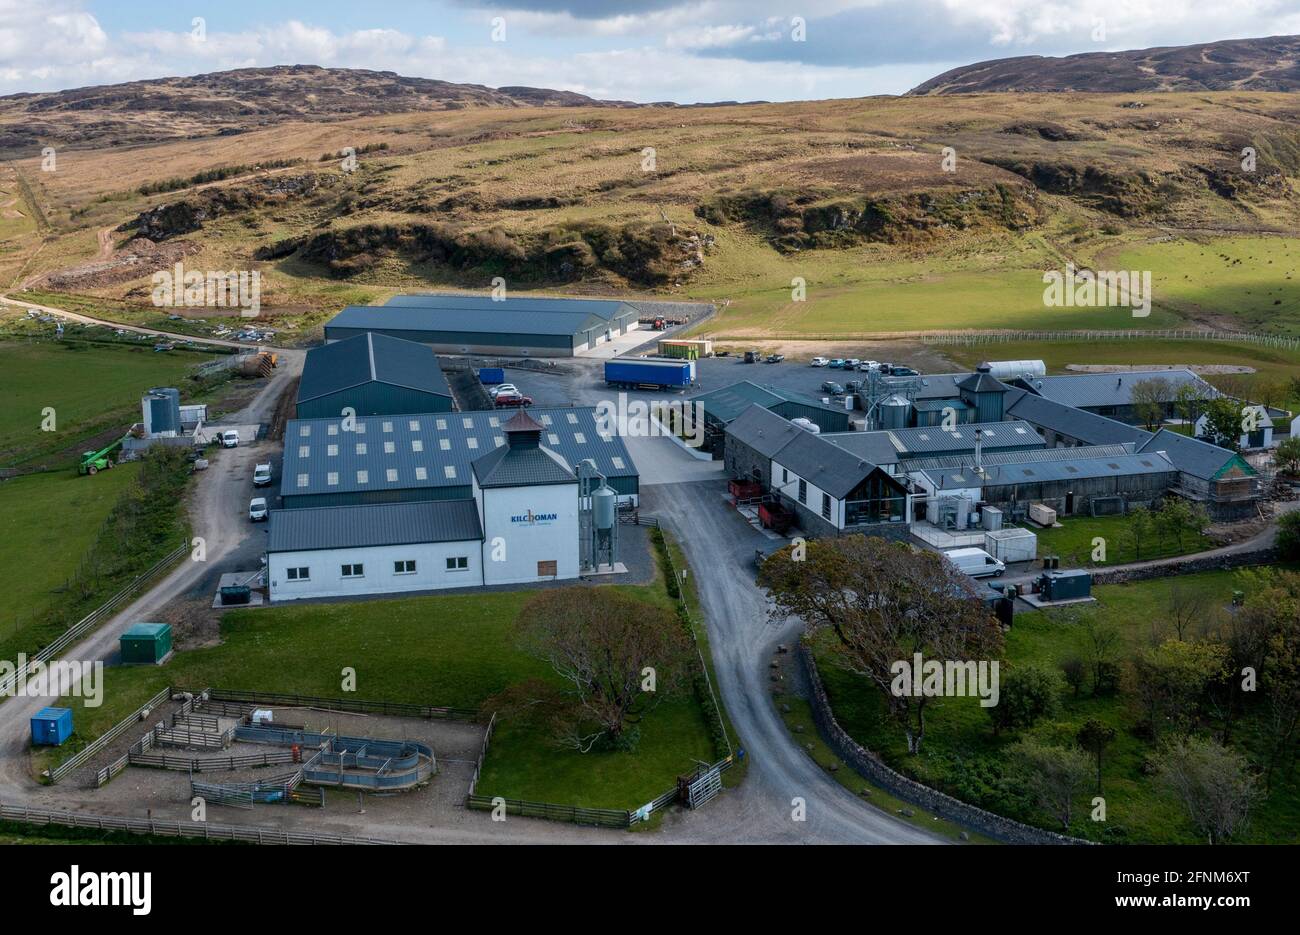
(1033, 472)
(605, 309)
(875, 447)
(825, 465)
(763, 430)
(375, 524)
(1111, 389)
(1077, 423)
(917, 442)
(1191, 455)
(729, 402)
(516, 467)
(1036, 456)
(367, 358)
(497, 320)
(452, 440)
(939, 385)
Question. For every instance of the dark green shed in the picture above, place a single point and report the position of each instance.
(146, 643)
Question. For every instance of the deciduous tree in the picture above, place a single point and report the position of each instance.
(1213, 782)
(884, 602)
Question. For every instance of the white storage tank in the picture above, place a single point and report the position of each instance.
(1011, 545)
(1010, 369)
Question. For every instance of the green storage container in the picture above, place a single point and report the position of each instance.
(146, 643)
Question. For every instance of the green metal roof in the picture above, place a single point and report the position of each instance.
(146, 630)
(729, 402)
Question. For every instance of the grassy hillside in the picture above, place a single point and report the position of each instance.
(727, 203)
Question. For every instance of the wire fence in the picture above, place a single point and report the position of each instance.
(1281, 342)
(177, 829)
(352, 705)
(92, 619)
(78, 759)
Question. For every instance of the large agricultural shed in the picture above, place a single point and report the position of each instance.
(429, 456)
(371, 374)
(524, 326)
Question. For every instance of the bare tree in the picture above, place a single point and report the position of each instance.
(1187, 608)
(885, 602)
(618, 656)
(1053, 776)
(1150, 398)
(1213, 782)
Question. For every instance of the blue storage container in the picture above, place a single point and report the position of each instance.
(490, 376)
(51, 726)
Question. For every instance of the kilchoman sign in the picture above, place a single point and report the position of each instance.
(529, 518)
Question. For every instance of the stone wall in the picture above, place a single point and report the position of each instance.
(874, 769)
(1188, 566)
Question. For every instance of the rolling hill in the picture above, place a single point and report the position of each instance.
(1271, 64)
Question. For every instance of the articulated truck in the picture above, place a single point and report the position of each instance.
(649, 372)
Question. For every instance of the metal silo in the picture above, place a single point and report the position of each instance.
(162, 411)
(892, 413)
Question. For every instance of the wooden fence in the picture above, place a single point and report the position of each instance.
(199, 764)
(482, 753)
(1282, 342)
(177, 829)
(77, 760)
(354, 705)
(601, 817)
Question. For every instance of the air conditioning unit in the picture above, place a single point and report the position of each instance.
(1042, 514)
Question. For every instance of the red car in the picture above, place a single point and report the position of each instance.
(513, 400)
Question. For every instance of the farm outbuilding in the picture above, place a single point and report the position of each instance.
(146, 643)
(524, 326)
(725, 405)
(372, 374)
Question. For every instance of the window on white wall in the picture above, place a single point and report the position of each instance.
(457, 562)
(298, 574)
(353, 571)
(826, 506)
(404, 567)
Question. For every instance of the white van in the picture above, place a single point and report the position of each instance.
(976, 562)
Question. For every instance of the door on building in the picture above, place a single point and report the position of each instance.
(1069, 502)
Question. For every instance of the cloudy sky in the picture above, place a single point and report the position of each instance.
(642, 50)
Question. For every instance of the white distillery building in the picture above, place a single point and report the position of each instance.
(520, 526)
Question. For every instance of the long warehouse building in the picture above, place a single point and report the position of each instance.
(525, 326)
(430, 456)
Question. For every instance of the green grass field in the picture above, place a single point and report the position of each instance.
(47, 523)
(1255, 281)
(1073, 542)
(996, 285)
(1269, 363)
(962, 756)
(455, 650)
(90, 388)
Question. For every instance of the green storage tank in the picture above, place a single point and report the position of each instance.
(147, 643)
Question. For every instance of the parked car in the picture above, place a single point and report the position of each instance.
(837, 363)
(775, 358)
(867, 366)
(819, 362)
(503, 388)
(262, 475)
(752, 357)
(852, 386)
(904, 372)
(514, 400)
(229, 439)
(851, 363)
(257, 509)
(833, 388)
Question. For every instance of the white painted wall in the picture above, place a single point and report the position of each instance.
(527, 543)
(327, 579)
